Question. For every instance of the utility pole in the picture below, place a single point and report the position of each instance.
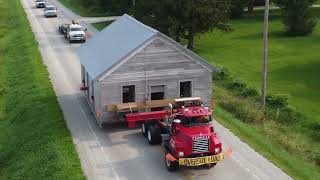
(265, 54)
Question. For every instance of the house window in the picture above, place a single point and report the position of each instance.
(185, 89)
(128, 94)
(157, 92)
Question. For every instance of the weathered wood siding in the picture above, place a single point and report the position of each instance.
(162, 64)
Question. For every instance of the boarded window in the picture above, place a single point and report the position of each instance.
(157, 92)
(128, 94)
(185, 89)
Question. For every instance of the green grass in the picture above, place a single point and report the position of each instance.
(293, 64)
(288, 146)
(34, 140)
(79, 8)
(94, 9)
(292, 70)
(258, 138)
(101, 25)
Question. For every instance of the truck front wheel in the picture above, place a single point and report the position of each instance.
(153, 134)
(171, 165)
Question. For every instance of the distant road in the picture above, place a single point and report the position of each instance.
(117, 152)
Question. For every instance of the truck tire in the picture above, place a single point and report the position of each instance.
(171, 165)
(153, 134)
(144, 129)
(209, 166)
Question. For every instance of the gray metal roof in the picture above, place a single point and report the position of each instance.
(112, 44)
(119, 40)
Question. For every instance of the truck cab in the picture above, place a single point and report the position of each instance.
(191, 139)
(75, 32)
(185, 131)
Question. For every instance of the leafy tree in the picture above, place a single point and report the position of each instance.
(184, 18)
(199, 16)
(297, 16)
(155, 13)
(251, 6)
(237, 8)
(253, 3)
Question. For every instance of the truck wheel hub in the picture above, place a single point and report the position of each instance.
(143, 128)
(168, 162)
(149, 135)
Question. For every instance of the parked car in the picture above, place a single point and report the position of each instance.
(50, 11)
(40, 3)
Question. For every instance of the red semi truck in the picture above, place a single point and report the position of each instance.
(185, 132)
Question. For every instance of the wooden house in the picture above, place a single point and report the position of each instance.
(129, 66)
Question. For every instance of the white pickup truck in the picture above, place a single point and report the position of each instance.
(40, 3)
(75, 32)
(50, 11)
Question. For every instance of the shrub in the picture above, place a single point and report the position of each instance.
(297, 16)
(223, 74)
(235, 85)
(248, 92)
(288, 115)
(277, 101)
(243, 109)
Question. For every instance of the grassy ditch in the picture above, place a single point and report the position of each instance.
(101, 25)
(288, 146)
(34, 140)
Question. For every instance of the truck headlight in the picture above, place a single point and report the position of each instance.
(181, 154)
(217, 150)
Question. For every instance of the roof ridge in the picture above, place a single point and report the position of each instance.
(140, 23)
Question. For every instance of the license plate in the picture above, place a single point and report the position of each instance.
(201, 160)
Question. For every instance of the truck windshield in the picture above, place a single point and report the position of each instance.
(40, 0)
(50, 8)
(195, 121)
(76, 29)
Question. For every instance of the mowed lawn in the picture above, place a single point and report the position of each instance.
(34, 140)
(293, 63)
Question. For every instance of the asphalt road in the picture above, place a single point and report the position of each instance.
(116, 152)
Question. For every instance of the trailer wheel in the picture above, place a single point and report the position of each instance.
(144, 129)
(171, 165)
(153, 134)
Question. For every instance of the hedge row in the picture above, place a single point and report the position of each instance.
(277, 109)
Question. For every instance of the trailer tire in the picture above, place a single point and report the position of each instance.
(144, 129)
(171, 165)
(153, 134)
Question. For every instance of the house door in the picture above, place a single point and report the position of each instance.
(157, 93)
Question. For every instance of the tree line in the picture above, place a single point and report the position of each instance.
(187, 18)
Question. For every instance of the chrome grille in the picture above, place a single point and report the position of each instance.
(200, 145)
